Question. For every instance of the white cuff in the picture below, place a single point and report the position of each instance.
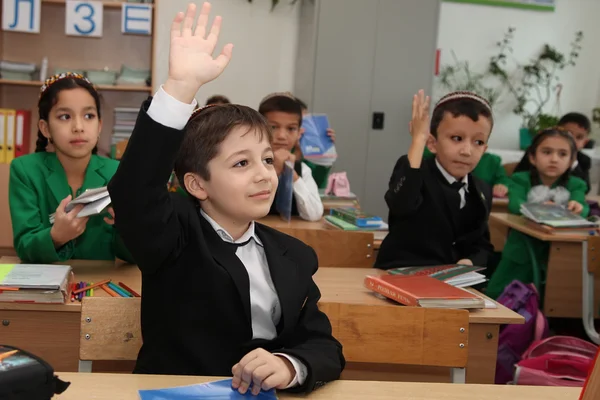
(170, 112)
(301, 370)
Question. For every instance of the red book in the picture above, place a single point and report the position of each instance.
(423, 291)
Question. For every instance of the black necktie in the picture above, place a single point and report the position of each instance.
(234, 246)
(457, 185)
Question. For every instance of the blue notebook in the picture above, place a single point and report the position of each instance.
(315, 144)
(218, 390)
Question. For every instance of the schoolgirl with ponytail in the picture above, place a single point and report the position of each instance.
(64, 165)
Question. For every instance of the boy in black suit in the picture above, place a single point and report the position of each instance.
(221, 294)
(580, 126)
(438, 210)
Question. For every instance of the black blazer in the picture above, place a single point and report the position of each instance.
(424, 227)
(196, 298)
(582, 170)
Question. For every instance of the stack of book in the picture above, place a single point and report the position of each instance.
(94, 200)
(454, 274)
(552, 218)
(35, 283)
(330, 201)
(17, 71)
(353, 219)
(125, 118)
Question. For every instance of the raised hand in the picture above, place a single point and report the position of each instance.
(191, 63)
(419, 123)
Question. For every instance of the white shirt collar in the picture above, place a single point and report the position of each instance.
(226, 237)
(575, 164)
(452, 179)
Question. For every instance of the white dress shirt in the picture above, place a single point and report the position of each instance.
(306, 193)
(463, 190)
(264, 302)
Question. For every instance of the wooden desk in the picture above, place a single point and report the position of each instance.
(572, 291)
(125, 387)
(52, 331)
(296, 222)
(345, 285)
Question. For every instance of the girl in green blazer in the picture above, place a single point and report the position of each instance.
(552, 153)
(44, 182)
(490, 170)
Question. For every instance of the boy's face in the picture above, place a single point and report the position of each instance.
(285, 127)
(242, 182)
(460, 143)
(579, 134)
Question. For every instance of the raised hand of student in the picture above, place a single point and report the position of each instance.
(280, 157)
(419, 128)
(67, 226)
(110, 221)
(500, 190)
(191, 63)
(262, 370)
(575, 207)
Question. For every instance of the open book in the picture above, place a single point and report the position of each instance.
(555, 216)
(95, 200)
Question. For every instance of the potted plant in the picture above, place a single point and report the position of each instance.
(534, 84)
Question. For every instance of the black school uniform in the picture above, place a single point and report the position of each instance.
(581, 170)
(196, 317)
(427, 225)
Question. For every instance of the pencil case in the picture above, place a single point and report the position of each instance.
(24, 376)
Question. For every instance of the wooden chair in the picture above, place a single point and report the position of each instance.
(336, 248)
(413, 335)
(510, 168)
(110, 330)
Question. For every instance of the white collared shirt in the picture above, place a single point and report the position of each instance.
(462, 191)
(265, 307)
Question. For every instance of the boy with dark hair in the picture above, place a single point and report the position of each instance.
(580, 126)
(284, 114)
(253, 310)
(438, 210)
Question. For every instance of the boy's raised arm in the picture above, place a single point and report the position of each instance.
(146, 218)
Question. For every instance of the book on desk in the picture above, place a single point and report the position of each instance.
(553, 218)
(35, 283)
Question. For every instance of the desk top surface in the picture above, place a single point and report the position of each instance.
(125, 386)
(339, 285)
(518, 222)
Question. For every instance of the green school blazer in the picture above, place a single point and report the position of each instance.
(37, 184)
(516, 259)
(489, 169)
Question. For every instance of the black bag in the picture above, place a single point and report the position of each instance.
(23, 376)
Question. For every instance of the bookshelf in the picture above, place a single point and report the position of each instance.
(111, 51)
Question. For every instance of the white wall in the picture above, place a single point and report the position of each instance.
(471, 31)
(264, 51)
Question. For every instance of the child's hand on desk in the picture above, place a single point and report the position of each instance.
(66, 224)
(110, 221)
(191, 63)
(465, 261)
(574, 206)
(500, 190)
(263, 370)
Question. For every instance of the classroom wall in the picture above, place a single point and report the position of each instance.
(264, 47)
(471, 31)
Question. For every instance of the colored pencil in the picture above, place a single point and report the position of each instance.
(82, 293)
(118, 290)
(109, 290)
(121, 288)
(73, 288)
(92, 290)
(7, 354)
(8, 289)
(94, 285)
(87, 292)
(124, 286)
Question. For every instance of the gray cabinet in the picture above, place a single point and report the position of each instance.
(357, 57)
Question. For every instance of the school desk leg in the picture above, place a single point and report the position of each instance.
(483, 351)
(588, 296)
